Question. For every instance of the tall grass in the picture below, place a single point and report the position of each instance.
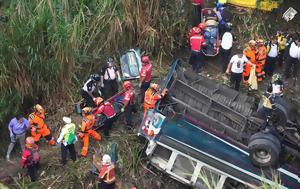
(50, 46)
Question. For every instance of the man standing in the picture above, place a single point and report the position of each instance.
(30, 158)
(152, 95)
(226, 45)
(293, 59)
(67, 135)
(89, 87)
(17, 130)
(87, 124)
(38, 126)
(128, 103)
(282, 43)
(197, 11)
(110, 76)
(250, 53)
(260, 59)
(145, 76)
(271, 60)
(106, 174)
(236, 67)
(197, 42)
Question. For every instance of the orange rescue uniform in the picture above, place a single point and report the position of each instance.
(251, 56)
(151, 97)
(39, 128)
(260, 62)
(86, 131)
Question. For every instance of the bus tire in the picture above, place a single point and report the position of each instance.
(264, 149)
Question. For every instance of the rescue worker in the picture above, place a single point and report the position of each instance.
(282, 43)
(197, 42)
(236, 67)
(152, 95)
(276, 86)
(107, 174)
(17, 130)
(68, 139)
(293, 59)
(194, 31)
(30, 158)
(197, 6)
(89, 87)
(145, 76)
(88, 121)
(250, 53)
(38, 126)
(110, 76)
(225, 50)
(260, 60)
(272, 49)
(128, 103)
(106, 109)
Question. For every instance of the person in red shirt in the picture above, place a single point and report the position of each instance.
(197, 42)
(30, 158)
(106, 109)
(128, 103)
(145, 76)
(107, 174)
(197, 6)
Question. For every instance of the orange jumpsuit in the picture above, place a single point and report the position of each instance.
(39, 128)
(260, 62)
(86, 131)
(151, 97)
(251, 55)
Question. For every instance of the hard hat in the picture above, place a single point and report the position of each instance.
(276, 77)
(110, 61)
(86, 110)
(154, 86)
(127, 85)
(106, 160)
(39, 108)
(98, 101)
(201, 26)
(260, 41)
(145, 59)
(29, 140)
(252, 42)
(196, 30)
(67, 120)
(95, 77)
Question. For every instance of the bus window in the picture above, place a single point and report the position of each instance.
(231, 183)
(183, 167)
(162, 153)
(207, 178)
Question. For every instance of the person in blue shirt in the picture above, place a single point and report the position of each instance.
(17, 130)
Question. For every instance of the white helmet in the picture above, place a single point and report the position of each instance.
(67, 120)
(106, 160)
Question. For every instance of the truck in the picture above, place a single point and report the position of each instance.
(205, 128)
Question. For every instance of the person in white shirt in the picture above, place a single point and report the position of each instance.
(273, 50)
(110, 76)
(87, 91)
(226, 45)
(236, 68)
(293, 58)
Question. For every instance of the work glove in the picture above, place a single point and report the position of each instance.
(122, 109)
(81, 135)
(119, 79)
(140, 84)
(94, 99)
(102, 85)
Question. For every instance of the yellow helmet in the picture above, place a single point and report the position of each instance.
(154, 86)
(86, 110)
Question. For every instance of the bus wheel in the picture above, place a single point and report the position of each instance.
(264, 149)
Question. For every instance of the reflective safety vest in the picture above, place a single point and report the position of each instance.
(151, 98)
(107, 174)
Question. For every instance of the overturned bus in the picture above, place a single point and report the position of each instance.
(204, 133)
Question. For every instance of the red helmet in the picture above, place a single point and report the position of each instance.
(145, 59)
(201, 26)
(98, 101)
(127, 85)
(29, 140)
(196, 30)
